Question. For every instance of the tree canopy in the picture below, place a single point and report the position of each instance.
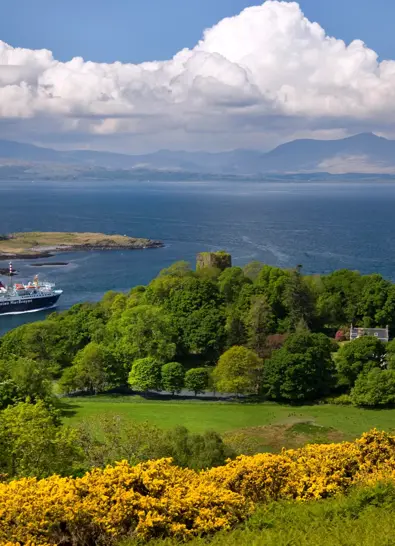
(173, 375)
(301, 370)
(197, 380)
(146, 374)
(238, 371)
(374, 388)
(194, 317)
(359, 356)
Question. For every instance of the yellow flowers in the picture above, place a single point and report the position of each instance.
(156, 498)
(150, 499)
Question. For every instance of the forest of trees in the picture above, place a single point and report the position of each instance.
(258, 330)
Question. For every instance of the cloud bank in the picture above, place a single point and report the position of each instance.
(268, 73)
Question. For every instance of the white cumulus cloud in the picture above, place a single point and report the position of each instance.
(266, 73)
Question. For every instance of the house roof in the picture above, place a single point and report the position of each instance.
(381, 333)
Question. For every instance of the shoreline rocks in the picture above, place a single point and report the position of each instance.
(4, 272)
(49, 264)
(106, 243)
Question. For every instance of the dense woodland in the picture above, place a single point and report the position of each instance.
(258, 331)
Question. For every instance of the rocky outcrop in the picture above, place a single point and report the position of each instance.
(31, 245)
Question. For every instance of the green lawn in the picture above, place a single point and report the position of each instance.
(199, 416)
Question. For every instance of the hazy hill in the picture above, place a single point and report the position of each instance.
(363, 153)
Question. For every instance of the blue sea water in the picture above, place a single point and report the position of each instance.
(323, 226)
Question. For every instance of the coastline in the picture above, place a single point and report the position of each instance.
(81, 242)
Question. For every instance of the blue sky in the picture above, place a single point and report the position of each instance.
(139, 30)
(260, 77)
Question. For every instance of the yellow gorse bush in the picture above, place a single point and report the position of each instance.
(28, 543)
(151, 499)
(157, 498)
(24, 544)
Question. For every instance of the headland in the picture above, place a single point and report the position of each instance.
(41, 244)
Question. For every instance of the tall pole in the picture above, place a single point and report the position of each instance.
(10, 272)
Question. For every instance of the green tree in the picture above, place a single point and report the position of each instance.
(235, 328)
(389, 355)
(203, 332)
(230, 283)
(117, 306)
(148, 331)
(196, 451)
(173, 375)
(107, 302)
(70, 381)
(358, 356)
(238, 371)
(8, 393)
(191, 295)
(178, 269)
(94, 369)
(57, 339)
(77, 327)
(301, 370)
(37, 341)
(375, 388)
(113, 438)
(33, 443)
(196, 380)
(386, 315)
(161, 288)
(196, 307)
(208, 272)
(33, 379)
(372, 300)
(146, 374)
(298, 300)
(260, 323)
(338, 303)
(252, 270)
(272, 283)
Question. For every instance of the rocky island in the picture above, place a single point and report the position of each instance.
(40, 244)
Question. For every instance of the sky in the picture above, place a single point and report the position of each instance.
(135, 76)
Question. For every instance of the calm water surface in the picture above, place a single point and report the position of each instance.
(323, 226)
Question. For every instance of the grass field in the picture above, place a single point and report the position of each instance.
(275, 424)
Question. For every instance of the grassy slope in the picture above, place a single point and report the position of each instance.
(359, 520)
(225, 417)
(22, 243)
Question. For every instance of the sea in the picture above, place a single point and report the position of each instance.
(322, 226)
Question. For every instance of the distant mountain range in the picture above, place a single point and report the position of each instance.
(364, 153)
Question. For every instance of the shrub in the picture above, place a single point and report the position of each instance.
(238, 371)
(342, 400)
(158, 499)
(376, 388)
(341, 335)
(196, 451)
(145, 374)
(197, 380)
(173, 375)
(361, 355)
(301, 370)
(148, 500)
(32, 442)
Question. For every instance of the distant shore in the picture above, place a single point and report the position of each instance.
(39, 244)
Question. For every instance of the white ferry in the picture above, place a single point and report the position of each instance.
(27, 298)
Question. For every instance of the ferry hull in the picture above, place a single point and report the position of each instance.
(16, 306)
